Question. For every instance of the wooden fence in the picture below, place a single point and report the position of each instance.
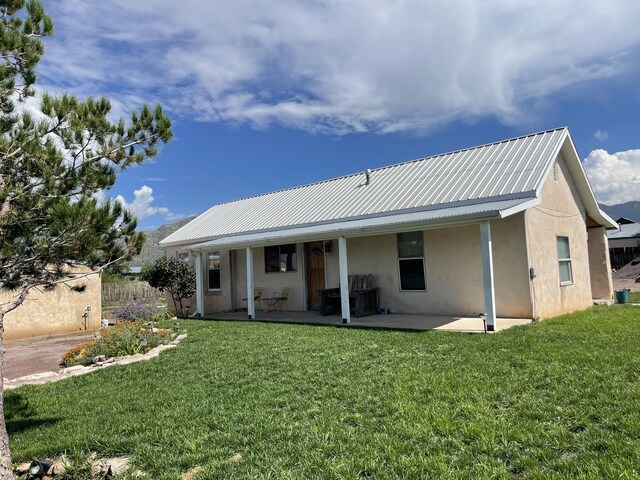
(128, 291)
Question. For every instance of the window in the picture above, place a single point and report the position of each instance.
(183, 256)
(564, 260)
(555, 171)
(411, 261)
(280, 258)
(214, 270)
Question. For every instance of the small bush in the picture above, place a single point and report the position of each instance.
(133, 311)
(127, 338)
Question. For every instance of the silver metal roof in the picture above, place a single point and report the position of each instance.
(505, 170)
(434, 218)
(627, 230)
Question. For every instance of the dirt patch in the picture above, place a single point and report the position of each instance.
(626, 284)
(37, 355)
(630, 271)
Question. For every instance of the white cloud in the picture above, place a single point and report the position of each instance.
(338, 67)
(601, 136)
(615, 177)
(142, 207)
(153, 179)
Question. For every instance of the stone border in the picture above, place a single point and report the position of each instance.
(68, 372)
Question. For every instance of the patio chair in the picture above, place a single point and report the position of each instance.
(257, 296)
(278, 297)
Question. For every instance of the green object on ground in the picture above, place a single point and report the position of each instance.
(556, 399)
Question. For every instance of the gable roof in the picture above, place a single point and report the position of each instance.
(495, 180)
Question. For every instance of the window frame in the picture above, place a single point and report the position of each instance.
(279, 269)
(213, 256)
(564, 260)
(411, 258)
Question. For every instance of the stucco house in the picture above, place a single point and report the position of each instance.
(508, 229)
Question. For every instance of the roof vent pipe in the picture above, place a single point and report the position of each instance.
(367, 172)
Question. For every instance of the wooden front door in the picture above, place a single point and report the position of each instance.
(315, 273)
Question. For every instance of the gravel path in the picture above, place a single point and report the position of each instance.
(37, 355)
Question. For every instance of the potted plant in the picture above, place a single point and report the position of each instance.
(622, 296)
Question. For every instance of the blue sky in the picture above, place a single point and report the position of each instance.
(269, 95)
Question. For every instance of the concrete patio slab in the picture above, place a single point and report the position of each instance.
(392, 321)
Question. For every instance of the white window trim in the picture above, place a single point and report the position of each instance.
(424, 266)
(567, 260)
(424, 274)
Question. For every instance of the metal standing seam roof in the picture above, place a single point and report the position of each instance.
(365, 226)
(504, 170)
(627, 230)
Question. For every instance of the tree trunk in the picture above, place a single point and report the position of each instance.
(6, 469)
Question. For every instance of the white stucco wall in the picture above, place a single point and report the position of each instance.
(56, 311)
(561, 212)
(453, 268)
(599, 264)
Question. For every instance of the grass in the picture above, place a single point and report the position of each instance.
(552, 400)
(634, 297)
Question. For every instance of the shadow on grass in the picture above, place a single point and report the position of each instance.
(19, 415)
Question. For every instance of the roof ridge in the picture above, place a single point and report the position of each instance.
(406, 162)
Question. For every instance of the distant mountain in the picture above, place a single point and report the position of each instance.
(151, 251)
(630, 210)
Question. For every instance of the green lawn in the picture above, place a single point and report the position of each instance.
(558, 399)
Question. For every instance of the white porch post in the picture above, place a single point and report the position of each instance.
(344, 280)
(251, 307)
(199, 286)
(487, 276)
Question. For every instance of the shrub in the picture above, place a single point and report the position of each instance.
(133, 311)
(173, 276)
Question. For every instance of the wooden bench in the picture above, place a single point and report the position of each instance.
(364, 299)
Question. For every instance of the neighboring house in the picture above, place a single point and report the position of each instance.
(624, 243)
(58, 311)
(509, 229)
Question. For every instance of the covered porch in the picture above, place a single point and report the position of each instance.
(454, 281)
(391, 321)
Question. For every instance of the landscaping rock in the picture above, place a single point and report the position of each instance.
(46, 377)
(75, 368)
(23, 468)
(192, 472)
(99, 359)
(57, 467)
(178, 339)
(117, 464)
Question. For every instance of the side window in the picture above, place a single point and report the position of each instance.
(411, 261)
(564, 260)
(214, 270)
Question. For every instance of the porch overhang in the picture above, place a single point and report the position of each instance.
(391, 223)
